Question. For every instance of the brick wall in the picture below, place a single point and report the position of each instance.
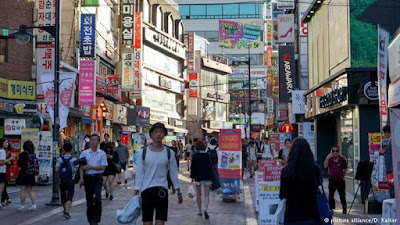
(19, 60)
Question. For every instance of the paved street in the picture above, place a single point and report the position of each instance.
(220, 213)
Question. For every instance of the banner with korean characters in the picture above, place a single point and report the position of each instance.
(66, 92)
(87, 82)
(137, 75)
(23, 90)
(13, 172)
(269, 201)
(193, 87)
(88, 35)
(127, 24)
(44, 63)
(190, 51)
(128, 71)
(46, 16)
(138, 30)
(383, 42)
(44, 155)
(230, 153)
(14, 126)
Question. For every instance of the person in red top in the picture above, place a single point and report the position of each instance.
(337, 166)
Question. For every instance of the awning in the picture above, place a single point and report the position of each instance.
(176, 129)
(86, 120)
(209, 130)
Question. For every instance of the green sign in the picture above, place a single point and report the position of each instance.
(4, 32)
(90, 3)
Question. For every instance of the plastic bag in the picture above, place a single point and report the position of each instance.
(192, 192)
(280, 213)
(131, 211)
(128, 175)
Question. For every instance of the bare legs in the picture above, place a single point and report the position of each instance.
(206, 197)
(30, 192)
(198, 198)
(108, 184)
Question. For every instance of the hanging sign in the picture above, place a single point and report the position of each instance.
(127, 29)
(88, 34)
(87, 83)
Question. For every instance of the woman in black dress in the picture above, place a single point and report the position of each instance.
(25, 180)
(299, 185)
(111, 170)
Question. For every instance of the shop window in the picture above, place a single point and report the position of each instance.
(3, 49)
(346, 139)
(146, 11)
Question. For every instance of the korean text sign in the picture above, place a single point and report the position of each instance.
(46, 10)
(127, 22)
(230, 153)
(88, 33)
(25, 90)
(87, 82)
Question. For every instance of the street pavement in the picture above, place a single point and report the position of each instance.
(221, 213)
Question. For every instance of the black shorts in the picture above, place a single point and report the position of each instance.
(123, 166)
(3, 177)
(154, 198)
(67, 192)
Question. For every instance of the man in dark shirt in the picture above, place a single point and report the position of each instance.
(337, 166)
(388, 159)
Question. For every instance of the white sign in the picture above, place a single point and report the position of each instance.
(303, 6)
(44, 155)
(383, 42)
(269, 201)
(298, 102)
(127, 71)
(308, 134)
(286, 4)
(120, 114)
(158, 116)
(394, 59)
(165, 42)
(14, 126)
(258, 178)
(44, 63)
(286, 28)
(46, 11)
(216, 124)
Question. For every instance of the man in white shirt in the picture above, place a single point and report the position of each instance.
(268, 152)
(252, 157)
(96, 164)
(152, 179)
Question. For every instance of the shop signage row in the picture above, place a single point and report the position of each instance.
(333, 97)
(165, 42)
(16, 89)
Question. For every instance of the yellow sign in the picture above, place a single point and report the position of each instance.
(24, 90)
(3, 88)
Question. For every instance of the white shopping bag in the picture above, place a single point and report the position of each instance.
(280, 212)
(191, 191)
(131, 211)
(128, 174)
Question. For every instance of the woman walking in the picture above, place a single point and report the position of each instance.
(27, 162)
(5, 198)
(202, 174)
(299, 185)
(188, 153)
(111, 170)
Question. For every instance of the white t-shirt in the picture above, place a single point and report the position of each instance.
(3, 168)
(267, 151)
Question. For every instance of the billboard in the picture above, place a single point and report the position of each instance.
(287, 73)
(240, 35)
(286, 32)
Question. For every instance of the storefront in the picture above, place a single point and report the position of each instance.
(345, 109)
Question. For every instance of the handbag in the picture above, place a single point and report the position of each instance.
(280, 212)
(117, 167)
(324, 210)
(215, 177)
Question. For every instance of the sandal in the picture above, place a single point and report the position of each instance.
(200, 214)
(67, 216)
(206, 215)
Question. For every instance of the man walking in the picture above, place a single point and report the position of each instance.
(123, 155)
(103, 144)
(337, 166)
(267, 151)
(65, 164)
(96, 162)
(388, 160)
(153, 164)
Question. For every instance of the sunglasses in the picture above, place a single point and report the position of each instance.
(335, 150)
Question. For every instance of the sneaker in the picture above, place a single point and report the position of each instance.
(111, 197)
(22, 208)
(33, 208)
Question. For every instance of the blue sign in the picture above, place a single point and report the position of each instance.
(88, 32)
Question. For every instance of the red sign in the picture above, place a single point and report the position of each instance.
(230, 150)
(272, 173)
(100, 84)
(138, 30)
(230, 140)
(266, 162)
(269, 57)
(13, 171)
(287, 128)
(274, 142)
(193, 85)
(112, 84)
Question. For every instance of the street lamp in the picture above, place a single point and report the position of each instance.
(22, 36)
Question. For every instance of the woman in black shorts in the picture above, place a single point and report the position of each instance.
(25, 179)
(110, 171)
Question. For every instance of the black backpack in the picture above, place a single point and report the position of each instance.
(213, 155)
(66, 171)
(33, 165)
(169, 157)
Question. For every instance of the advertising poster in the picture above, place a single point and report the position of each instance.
(269, 201)
(286, 28)
(139, 140)
(237, 35)
(395, 129)
(258, 178)
(31, 134)
(87, 82)
(379, 181)
(274, 141)
(44, 155)
(137, 86)
(287, 73)
(230, 153)
(283, 137)
(13, 171)
(44, 63)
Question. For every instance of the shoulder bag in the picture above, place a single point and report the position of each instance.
(324, 210)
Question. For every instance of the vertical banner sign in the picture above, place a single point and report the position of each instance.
(269, 42)
(88, 25)
(193, 87)
(138, 30)
(13, 172)
(46, 16)
(190, 52)
(137, 81)
(87, 83)
(127, 23)
(298, 102)
(230, 153)
(44, 155)
(286, 28)
(67, 88)
(44, 63)
(286, 73)
(268, 10)
(269, 201)
(395, 141)
(383, 43)
(127, 70)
